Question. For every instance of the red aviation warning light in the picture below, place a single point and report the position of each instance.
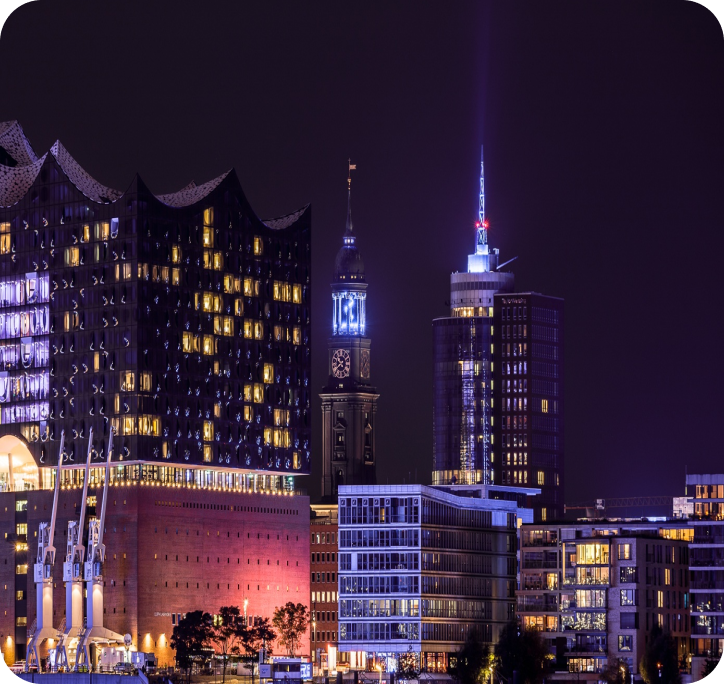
(485, 224)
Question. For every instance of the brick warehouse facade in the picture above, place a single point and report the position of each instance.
(170, 551)
(181, 320)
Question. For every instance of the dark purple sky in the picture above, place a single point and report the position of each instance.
(602, 126)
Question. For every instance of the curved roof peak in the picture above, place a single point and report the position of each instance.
(16, 144)
(192, 193)
(15, 181)
(82, 180)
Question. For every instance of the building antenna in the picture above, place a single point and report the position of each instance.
(481, 225)
(348, 239)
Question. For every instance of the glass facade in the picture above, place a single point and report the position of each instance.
(419, 568)
(182, 320)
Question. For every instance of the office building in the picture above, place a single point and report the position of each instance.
(182, 321)
(707, 568)
(498, 382)
(596, 590)
(419, 568)
(349, 401)
(529, 411)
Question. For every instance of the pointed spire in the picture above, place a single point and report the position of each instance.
(348, 231)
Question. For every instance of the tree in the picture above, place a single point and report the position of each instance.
(616, 672)
(190, 637)
(253, 639)
(471, 660)
(407, 665)
(523, 651)
(291, 621)
(660, 663)
(709, 667)
(226, 634)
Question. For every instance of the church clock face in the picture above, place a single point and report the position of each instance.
(340, 363)
(364, 363)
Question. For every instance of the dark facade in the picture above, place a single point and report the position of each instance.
(349, 401)
(528, 410)
(181, 319)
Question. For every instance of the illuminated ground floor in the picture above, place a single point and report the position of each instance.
(170, 549)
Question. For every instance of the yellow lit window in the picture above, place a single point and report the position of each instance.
(297, 294)
(239, 307)
(297, 335)
(258, 330)
(129, 425)
(258, 246)
(281, 417)
(142, 271)
(72, 256)
(145, 384)
(208, 237)
(258, 393)
(278, 333)
(218, 261)
(209, 216)
(228, 326)
(123, 271)
(214, 260)
(86, 233)
(5, 241)
(21, 528)
(155, 271)
(228, 283)
(189, 343)
(117, 403)
(103, 230)
(248, 413)
(251, 287)
(247, 393)
(164, 273)
(217, 410)
(208, 345)
(175, 276)
(175, 254)
(282, 291)
(207, 453)
(541, 477)
(667, 577)
(267, 436)
(248, 329)
(544, 405)
(128, 381)
(268, 373)
(659, 599)
(208, 431)
(296, 461)
(165, 453)
(21, 570)
(281, 438)
(149, 425)
(96, 362)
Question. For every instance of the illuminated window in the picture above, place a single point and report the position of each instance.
(71, 320)
(145, 384)
(21, 569)
(142, 271)
(541, 477)
(96, 362)
(208, 237)
(228, 326)
(667, 577)
(296, 461)
(297, 336)
(209, 216)
(21, 529)
(248, 392)
(281, 417)
(544, 405)
(208, 431)
(102, 230)
(165, 453)
(190, 343)
(248, 329)
(208, 457)
(175, 254)
(258, 330)
(123, 271)
(164, 273)
(281, 438)
(129, 425)
(258, 246)
(659, 599)
(213, 260)
(239, 307)
(258, 393)
(624, 551)
(128, 381)
(208, 345)
(278, 333)
(175, 276)
(543, 514)
(149, 425)
(268, 373)
(5, 238)
(297, 294)
(72, 256)
(251, 287)
(267, 436)
(248, 410)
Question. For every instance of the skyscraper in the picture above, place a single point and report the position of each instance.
(463, 365)
(349, 401)
(498, 381)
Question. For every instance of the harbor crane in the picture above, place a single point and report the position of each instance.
(43, 576)
(94, 634)
(73, 578)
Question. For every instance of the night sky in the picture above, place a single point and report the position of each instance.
(602, 126)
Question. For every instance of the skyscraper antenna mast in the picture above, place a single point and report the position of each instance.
(481, 233)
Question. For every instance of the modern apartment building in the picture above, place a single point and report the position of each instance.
(596, 590)
(419, 568)
(707, 568)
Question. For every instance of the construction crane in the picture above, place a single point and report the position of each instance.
(43, 576)
(94, 633)
(73, 578)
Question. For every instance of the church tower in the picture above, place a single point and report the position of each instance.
(349, 401)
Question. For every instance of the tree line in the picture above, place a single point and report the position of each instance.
(227, 634)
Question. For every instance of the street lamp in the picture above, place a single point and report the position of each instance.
(658, 666)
